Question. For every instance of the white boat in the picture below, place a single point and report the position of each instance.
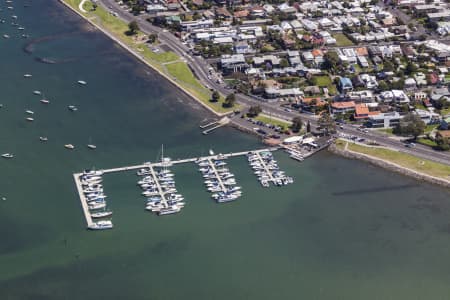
(101, 214)
(30, 112)
(7, 155)
(97, 205)
(27, 75)
(6, 36)
(91, 146)
(69, 146)
(92, 173)
(29, 119)
(100, 225)
(43, 138)
(72, 108)
(21, 28)
(82, 82)
(45, 101)
(169, 210)
(37, 92)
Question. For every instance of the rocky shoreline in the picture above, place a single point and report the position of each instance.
(389, 166)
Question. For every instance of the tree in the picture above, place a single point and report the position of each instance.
(230, 100)
(411, 124)
(215, 96)
(296, 124)
(410, 68)
(326, 122)
(331, 60)
(284, 63)
(442, 142)
(94, 6)
(133, 27)
(254, 111)
(152, 38)
(308, 127)
(388, 66)
(382, 85)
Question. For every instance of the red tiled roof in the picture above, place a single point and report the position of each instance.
(344, 104)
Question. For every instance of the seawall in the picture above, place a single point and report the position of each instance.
(390, 166)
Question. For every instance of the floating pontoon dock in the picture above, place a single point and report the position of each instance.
(150, 165)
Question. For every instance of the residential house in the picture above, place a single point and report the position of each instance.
(384, 120)
(410, 84)
(397, 96)
(312, 103)
(318, 56)
(243, 47)
(420, 79)
(345, 84)
(362, 111)
(272, 59)
(342, 107)
(233, 63)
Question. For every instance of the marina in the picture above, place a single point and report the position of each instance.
(158, 184)
(159, 188)
(90, 191)
(218, 180)
(267, 170)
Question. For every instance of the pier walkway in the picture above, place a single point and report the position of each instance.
(213, 167)
(83, 199)
(186, 160)
(150, 165)
(263, 163)
(161, 192)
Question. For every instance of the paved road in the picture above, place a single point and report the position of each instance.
(200, 68)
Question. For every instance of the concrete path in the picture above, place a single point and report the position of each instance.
(80, 6)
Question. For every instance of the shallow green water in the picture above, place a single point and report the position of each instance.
(344, 230)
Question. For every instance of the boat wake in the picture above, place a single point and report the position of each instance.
(375, 190)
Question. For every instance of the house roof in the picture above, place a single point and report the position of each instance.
(319, 101)
(362, 51)
(317, 52)
(361, 109)
(444, 133)
(345, 81)
(222, 11)
(344, 104)
(241, 14)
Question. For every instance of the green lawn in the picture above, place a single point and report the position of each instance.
(402, 159)
(268, 120)
(178, 70)
(183, 75)
(445, 112)
(426, 142)
(325, 81)
(430, 128)
(342, 40)
(322, 81)
(386, 130)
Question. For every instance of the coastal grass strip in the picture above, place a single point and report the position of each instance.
(269, 120)
(402, 159)
(177, 70)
